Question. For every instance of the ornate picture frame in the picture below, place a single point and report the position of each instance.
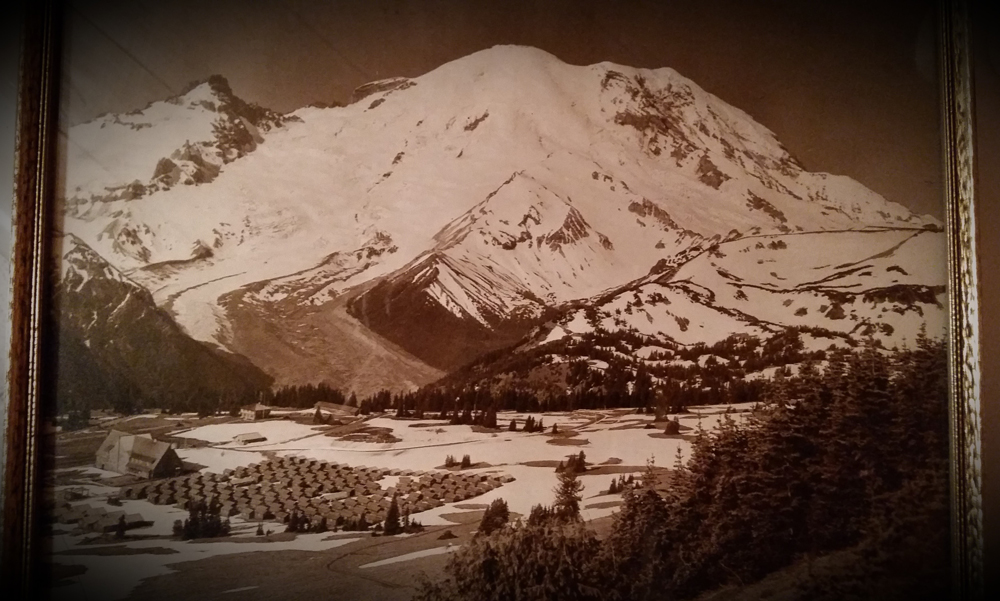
(35, 184)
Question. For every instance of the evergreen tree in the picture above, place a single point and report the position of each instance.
(539, 515)
(392, 525)
(544, 562)
(568, 496)
(495, 517)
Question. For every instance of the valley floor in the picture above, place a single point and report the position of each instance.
(150, 564)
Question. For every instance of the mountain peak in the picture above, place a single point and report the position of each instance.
(506, 183)
(186, 139)
(216, 84)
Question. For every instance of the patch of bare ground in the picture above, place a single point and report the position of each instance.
(603, 504)
(541, 463)
(687, 437)
(361, 432)
(464, 517)
(345, 428)
(303, 344)
(459, 468)
(600, 470)
(611, 461)
(484, 430)
(120, 550)
(103, 539)
(274, 537)
(592, 470)
(471, 506)
(568, 442)
(631, 426)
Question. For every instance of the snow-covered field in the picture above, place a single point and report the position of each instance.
(276, 431)
(617, 439)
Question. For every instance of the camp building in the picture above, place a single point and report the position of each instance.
(255, 412)
(336, 410)
(137, 455)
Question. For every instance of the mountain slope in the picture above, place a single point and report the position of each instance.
(453, 212)
(747, 305)
(115, 347)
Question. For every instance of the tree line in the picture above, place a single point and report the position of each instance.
(849, 464)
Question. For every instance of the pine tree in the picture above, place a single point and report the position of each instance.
(466, 462)
(539, 515)
(568, 496)
(513, 425)
(392, 518)
(495, 517)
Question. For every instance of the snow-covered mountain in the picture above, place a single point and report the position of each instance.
(182, 140)
(116, 347)
(439, 217)
(884, 284)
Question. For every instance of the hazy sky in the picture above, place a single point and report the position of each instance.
(848, 86)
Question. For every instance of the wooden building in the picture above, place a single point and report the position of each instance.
(255, 412)
(335, 410)
(137, 455)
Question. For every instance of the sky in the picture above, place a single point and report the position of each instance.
(849, 87)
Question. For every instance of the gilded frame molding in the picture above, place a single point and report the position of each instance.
(958, 142)
(34, 180)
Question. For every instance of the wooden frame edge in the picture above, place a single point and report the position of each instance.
(963, 341)
(33, 180)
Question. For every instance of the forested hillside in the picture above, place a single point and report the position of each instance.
(852, 459)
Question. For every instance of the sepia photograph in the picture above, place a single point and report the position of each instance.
(451, 301)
